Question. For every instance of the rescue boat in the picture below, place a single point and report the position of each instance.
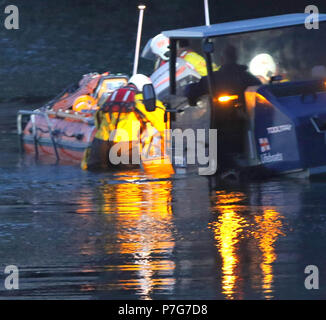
(275, 128)
(103, 124)
(65, 127)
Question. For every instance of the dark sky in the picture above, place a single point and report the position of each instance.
(59, 40)
(221, 10)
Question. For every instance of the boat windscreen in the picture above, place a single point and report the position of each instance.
(295, 53)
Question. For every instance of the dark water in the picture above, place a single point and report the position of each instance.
(76, 234)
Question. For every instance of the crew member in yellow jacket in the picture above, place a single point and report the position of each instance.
(160, 48)
(127, 133)
(192, 57)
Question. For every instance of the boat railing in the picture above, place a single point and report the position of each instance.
(32, 114)
(57, 114)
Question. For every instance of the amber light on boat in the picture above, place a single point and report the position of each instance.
(227, 98)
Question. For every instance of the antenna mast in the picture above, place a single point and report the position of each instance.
(141, 8)
(207, 13)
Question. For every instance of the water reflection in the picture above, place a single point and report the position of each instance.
(140, 248)
(241, 229)
(142, 215)
(269, 228)
(228, 229)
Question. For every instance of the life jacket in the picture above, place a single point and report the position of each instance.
(125, 109)
(118, 112)
(121, 100)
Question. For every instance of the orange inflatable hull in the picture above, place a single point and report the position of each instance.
(69, 140)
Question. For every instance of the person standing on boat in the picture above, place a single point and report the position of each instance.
(121, 120)
(186, 53)
(160, 48)
(231, 78)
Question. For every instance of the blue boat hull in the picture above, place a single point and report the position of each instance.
(288, 122)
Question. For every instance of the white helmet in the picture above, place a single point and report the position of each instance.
(139, 80)
(263, 65)
(160, 46)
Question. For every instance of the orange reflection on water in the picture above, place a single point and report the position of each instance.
(269, 229)
(142, 215)
(84, 202)
(228, 229)
(260, 233)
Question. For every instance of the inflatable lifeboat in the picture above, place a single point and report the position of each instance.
(85, 126)
(64, 128)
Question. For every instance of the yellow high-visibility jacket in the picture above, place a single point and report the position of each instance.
(151, 139)
(130, 122)
(197, 61)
